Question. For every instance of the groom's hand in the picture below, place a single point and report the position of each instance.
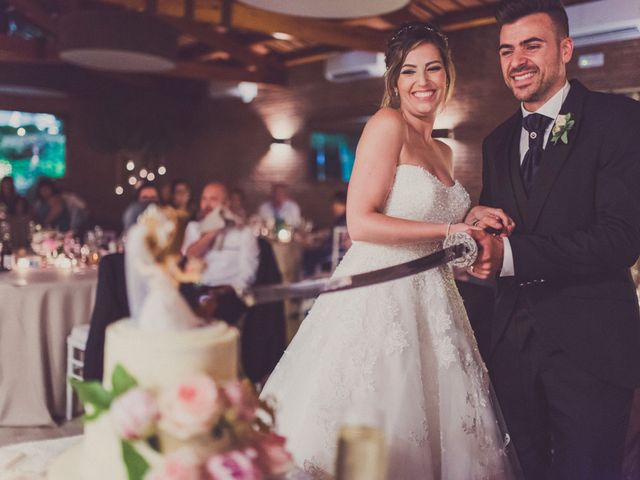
(490, 255)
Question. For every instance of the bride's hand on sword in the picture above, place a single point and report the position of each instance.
(490, 255)
(494, 220)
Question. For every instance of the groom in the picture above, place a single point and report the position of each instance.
(565, 344)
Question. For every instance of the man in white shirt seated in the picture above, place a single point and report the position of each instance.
(280, 208)
(231, 252)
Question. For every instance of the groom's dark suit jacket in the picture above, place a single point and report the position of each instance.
(577, 233)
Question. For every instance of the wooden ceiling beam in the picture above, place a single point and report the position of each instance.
(204, 72)
(316, 31)
(205, 33)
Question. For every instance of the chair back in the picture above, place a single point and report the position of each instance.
(340, 245)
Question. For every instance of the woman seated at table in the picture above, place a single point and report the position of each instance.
(51, 210)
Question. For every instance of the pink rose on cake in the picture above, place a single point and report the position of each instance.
(234, 465)
(273, 457)
(242, 401)
(190, 408)
(182, 464)
(134, 413)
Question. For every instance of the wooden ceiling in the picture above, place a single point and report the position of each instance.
(228, 40)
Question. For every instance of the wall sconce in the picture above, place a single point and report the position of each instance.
(281, 144)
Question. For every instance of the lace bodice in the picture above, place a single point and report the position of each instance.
(418, 195)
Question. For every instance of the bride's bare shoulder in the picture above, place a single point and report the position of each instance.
(387, 123)
(387, 117)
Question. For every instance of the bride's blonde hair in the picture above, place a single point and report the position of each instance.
(401, 43)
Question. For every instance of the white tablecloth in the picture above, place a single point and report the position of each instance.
(38, 309)
(29, 461)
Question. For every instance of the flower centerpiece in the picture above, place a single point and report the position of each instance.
(204, 430)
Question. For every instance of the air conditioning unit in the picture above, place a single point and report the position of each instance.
(349, 66)
(604, 21)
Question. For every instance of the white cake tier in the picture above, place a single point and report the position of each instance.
(164, 358)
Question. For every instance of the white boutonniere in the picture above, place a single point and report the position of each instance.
(561, 127)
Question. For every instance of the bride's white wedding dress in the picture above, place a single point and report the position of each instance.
(406, 347)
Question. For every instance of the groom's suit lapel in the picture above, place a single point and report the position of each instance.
(555, 156)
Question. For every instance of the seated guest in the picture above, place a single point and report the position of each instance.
(280, 209)
(237, 204)
(9, 197)
(317, 255)
(166, 193)
(50, 209)
(147, 192)
(181, 197)
(231, 252)
(19, 223)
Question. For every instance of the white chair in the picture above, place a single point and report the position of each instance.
(76, 343)
(339, 245)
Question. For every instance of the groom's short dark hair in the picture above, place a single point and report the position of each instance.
(509, 11)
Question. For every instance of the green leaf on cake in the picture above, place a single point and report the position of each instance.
(135, 463)
(93, 396)
(121, 380)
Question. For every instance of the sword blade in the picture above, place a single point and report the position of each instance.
(313, 288)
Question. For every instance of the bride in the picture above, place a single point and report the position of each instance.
(405, 346)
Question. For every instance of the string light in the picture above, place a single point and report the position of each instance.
(162, 170)
(119, 190)
(133, 180)
(130, 165)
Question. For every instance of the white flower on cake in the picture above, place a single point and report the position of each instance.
(134, 414)
(190, 408)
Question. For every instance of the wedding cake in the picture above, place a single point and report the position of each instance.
(170, 399)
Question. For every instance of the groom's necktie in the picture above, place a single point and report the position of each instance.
(535, 124)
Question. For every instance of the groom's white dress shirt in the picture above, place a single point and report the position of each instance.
(550, 109)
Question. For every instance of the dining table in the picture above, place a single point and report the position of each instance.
(38, 309)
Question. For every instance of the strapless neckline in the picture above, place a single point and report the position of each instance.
(429, 175)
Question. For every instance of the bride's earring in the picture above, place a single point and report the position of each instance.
(395, 92)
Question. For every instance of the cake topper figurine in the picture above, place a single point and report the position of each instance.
(152, 262)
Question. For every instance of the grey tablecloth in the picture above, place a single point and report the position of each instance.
(38, 309)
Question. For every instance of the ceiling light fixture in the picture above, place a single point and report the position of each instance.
(329, 8)
(122, 41)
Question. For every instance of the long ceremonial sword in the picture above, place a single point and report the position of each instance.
(459, 249)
